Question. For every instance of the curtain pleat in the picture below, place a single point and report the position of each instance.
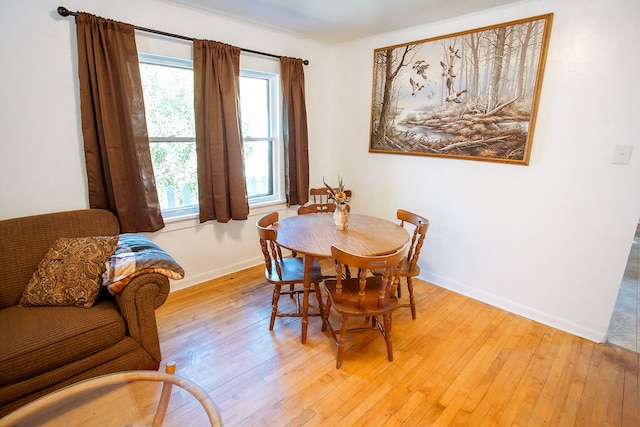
(296, 138)
(118, 159)
(221, 178)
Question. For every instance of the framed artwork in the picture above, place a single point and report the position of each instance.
(469, 95)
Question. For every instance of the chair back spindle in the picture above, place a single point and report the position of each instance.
(321, 195)
(388, 264)
(421, 226)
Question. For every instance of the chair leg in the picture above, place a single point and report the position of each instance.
(274, 305)
(412, 301)
(347, 272)
(343, 333)
(325, 316)
(319, 298)
(387, 335)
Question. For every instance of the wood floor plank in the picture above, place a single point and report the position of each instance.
(467, 341)
(631, 402)
(507, 371)
(461, 362)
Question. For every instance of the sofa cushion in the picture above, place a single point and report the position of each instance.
(26, 240)
(39, 339)
(70, 273)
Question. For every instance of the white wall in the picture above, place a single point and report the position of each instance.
(549, 240)
(41, 156)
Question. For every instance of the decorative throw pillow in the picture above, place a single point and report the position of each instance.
(70, 273)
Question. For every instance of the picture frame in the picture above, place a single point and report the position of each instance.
(469, 95)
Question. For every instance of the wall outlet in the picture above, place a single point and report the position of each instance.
(622, 154)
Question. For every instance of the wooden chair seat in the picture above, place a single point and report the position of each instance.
(406, 269)
(291, 272)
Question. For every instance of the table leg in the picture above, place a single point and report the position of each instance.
(308, 262)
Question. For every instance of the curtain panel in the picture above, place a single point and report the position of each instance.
(296, 139)
(118, 159)
(221, 178)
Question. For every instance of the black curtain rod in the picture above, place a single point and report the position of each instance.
(63, 11)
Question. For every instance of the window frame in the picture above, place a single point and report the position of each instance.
(275, 137)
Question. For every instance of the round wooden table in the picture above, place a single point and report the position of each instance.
(313, 235)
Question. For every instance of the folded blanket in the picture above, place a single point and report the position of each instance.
(135, 255)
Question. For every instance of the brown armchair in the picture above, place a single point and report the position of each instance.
(45, 348)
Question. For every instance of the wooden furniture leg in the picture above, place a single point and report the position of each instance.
(164, 397)
(308, 262)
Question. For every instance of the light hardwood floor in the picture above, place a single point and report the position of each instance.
(461, 363)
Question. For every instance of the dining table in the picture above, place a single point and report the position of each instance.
(313, 235)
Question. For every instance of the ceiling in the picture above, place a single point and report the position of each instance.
(336, 21)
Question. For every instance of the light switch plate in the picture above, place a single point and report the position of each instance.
(622, 154)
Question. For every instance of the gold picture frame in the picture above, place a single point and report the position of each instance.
(469, 95)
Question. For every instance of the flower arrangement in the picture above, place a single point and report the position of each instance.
(338, 195)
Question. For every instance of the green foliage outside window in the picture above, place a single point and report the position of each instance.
(168, 101)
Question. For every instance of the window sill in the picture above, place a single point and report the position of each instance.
(191, 220)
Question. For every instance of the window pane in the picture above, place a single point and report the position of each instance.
(254, 103)
(168, 99)
(257, 158)
(175, 168)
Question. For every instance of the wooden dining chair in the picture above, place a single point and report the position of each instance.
(316, 208)
(321, 195)
(367, 295)
(281, 270)
(409, 267)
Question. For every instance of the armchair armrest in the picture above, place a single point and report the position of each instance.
(137, 303)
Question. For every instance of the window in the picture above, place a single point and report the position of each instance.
(167, 84)
(168, 94)
(260, 134)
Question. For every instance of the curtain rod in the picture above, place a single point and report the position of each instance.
(63, 11)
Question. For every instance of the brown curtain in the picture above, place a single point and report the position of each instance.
(296, 139)
(119, 170)
(221, 180)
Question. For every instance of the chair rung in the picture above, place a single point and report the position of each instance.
(297, 314)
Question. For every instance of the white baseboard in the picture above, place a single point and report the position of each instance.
(444, 282)
(516, 308)
(191, 280)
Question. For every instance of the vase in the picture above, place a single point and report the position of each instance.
(341, 216)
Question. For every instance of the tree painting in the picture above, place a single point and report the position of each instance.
(470, 95)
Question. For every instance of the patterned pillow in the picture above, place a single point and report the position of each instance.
(70, 273)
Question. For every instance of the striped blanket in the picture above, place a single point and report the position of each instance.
(135, 255)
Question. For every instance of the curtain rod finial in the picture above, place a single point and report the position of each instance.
(63, 11)
(305, 62)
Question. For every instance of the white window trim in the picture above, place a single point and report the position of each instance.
(257, 203)
(276, 137)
